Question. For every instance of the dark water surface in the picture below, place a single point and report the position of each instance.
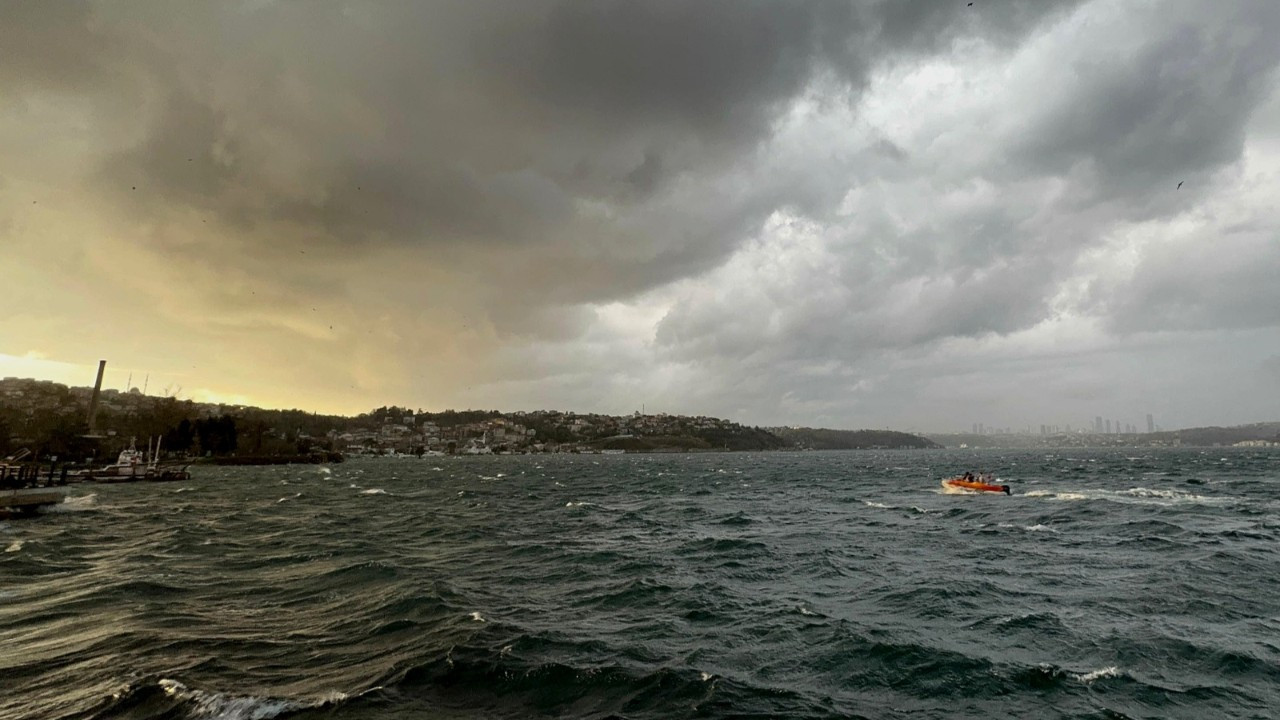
(1112, 584)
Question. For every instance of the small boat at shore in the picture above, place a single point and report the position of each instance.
(961, 483)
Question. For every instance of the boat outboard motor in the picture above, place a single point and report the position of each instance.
(1005, 488)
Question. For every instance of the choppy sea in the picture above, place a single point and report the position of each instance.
(1112, 584)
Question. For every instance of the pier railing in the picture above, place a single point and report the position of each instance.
(31, 476)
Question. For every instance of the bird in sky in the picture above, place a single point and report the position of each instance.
(1180, 184)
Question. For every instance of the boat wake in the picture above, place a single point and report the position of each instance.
(1134, 496)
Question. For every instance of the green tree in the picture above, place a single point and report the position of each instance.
(217, 435)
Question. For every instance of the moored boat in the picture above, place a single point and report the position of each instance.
(132, 466)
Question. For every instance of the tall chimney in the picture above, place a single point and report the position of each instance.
(93, 400)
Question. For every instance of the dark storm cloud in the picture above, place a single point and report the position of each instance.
(449, 122)
(1099, 144)
(48, 45)
(1150, 111)
(821, 191)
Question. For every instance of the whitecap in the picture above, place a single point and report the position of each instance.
(324, 471)
(15, 547)
(477, 617)
(228, 707)
(1106, 672)
(705, 676)
(882, 506)
(77, 503)
(373, 491)
(1029, 528)
(289, 497)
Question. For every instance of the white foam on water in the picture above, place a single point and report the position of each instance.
(324, 471)
(15, 547)
(1038, 528)
(373, 491)
(219, 706)
(806, 611)
(1057, 495)
(1106, 672)
(705, 676)
(1136, 496)
(1174, 496)
(76, 503)
(289, 497)
(477, 617)
(183, 489)
(576, 504)
(882, 506)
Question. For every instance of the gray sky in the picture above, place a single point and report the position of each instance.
(917, 215)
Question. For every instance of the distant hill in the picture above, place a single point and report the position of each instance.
(826, 439)
(1210, 436)
(1213, 436)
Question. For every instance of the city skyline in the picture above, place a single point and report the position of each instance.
(902, 215)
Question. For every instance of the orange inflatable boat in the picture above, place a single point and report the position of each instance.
(959, 483)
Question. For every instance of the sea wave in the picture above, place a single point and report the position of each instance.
(660, 596)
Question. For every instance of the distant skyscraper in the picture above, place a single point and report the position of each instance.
(975, 427)
(1151, 423)
(1097, 424)
(1108, 427)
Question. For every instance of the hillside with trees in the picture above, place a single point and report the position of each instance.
(826, 439)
